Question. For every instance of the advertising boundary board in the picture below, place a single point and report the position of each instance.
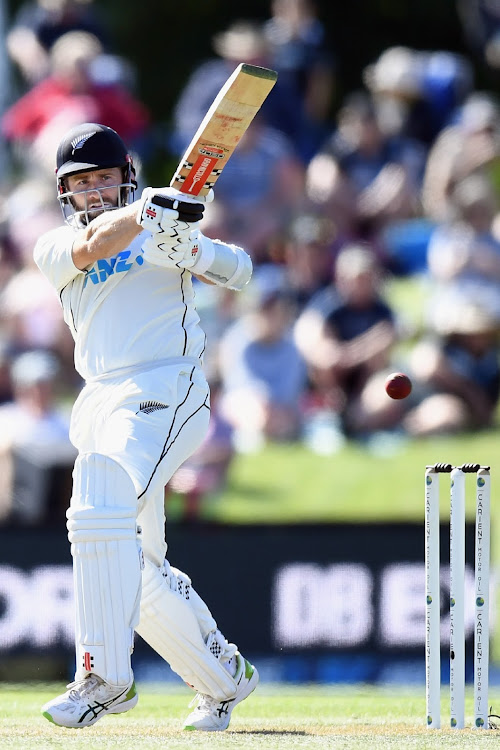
(282, 592)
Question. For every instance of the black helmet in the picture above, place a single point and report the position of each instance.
(87, 147)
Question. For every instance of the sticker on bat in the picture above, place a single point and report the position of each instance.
(213, 151)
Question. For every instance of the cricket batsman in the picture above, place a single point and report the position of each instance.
(123, 272)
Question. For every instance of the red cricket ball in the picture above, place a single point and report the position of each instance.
(398, 385)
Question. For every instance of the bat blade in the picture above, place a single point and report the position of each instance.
(222, 128)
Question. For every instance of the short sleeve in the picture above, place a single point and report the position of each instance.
(53, 256)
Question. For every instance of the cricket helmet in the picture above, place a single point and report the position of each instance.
(85, 148)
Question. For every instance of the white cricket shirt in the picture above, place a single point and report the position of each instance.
(123, 312)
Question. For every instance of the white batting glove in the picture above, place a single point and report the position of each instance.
(182, 248)
(224, 265)
(158, 207)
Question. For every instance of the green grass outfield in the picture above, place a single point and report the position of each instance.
(273, 718)
(385, 481)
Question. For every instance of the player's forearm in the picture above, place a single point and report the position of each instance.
(480, 406)
(377, 341)
(105, 236)
(452, 382)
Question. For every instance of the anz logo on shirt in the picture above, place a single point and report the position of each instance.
(106, 267)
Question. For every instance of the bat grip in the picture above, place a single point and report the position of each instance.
(188, 211)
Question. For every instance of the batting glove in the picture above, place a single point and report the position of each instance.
(180, 247)
(224, 265)
(159, 207)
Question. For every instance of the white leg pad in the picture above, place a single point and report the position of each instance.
(177, 624)
(106, 567)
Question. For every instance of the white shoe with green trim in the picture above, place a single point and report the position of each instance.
(87, 701)
(211, 715)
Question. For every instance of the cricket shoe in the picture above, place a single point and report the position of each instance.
(211, 715)
(87, 701)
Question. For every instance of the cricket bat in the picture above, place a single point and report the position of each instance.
(222, 128)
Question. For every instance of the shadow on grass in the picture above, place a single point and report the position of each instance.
(278, 732)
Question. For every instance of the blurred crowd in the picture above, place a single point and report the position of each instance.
(372, 218)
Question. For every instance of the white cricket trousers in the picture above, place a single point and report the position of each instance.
(150, 423)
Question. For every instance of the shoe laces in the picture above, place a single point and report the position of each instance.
(80, 688)
(203, 703)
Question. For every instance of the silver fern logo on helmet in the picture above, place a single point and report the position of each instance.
(81, 140)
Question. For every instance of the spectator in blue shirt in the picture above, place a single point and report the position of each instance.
(263, 375)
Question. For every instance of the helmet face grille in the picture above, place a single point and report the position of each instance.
(82, 217)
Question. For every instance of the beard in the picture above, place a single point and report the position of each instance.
(90, 212)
